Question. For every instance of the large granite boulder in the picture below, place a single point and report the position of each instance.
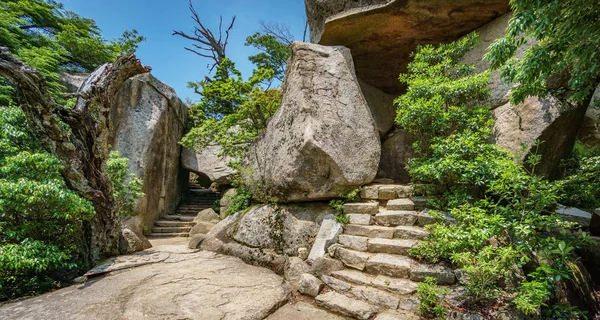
(147, 122)
(322, 141)
(280, 230)
(383, 33)
(208, 162)
(381, 106)
(546, 119)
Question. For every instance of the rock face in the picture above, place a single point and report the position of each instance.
(322, 141)
(396, 150)
(147, 122)
(383, 33)
(381, 105)
(589, 133)
(207, 162)
(544, 119)
(72, 80)
(129, 242)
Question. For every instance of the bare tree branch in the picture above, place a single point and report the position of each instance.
(280, 31)
(207, 39)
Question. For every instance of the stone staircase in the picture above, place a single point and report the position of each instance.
(180, 223)
(380, 278)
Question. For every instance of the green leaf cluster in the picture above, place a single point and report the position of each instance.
(565, 46)
(127, 189)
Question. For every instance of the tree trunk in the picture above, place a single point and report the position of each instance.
(78, 137)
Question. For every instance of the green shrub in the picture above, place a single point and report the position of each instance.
(241, 200)
(581, 189)
(216, 206)
(338, 205)
(431, 299)
(127, 188)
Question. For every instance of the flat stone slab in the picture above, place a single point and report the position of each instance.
(351, 258)
(408, 232)
(443, 275)
(354, 242)
(394, 285)
(400, 204)
(328, 234)
(573, 214)
(392, 246)
(203, 286)
(302, 311)
(389, 265)
(370, 231)
(396, 218)
(359, 218)
(128, 261)
(347, 306)
(361, 207)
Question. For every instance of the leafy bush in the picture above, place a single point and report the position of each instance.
(127, 189)
(241, 200)
(431, 299)
(41, 220)
(338, 205)
(582, 188)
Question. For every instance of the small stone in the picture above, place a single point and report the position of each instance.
(331, 249)
(81, 279)
(362, 219)
(325, 266)
(361, 207)
(369, 192)
(354, 242)
(302, 253)
(443, 275)
(328, 234)
(294, 268)
(309, 285)
(387, 192)
(400, 204)
(335, 284)
(424, 218)
(351, 258)
(196, 241)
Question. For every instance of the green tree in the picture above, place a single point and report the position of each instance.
(51, 39)
(566, 46)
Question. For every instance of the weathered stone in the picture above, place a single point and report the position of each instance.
(336, 284)
(387, 192)
(424, 218)
(406, 232)
(383, 33)
(589, 132)
(370, 192)
(207, 215)
(129, 242)
(396, 150)
(225, 202)
(294, 268)
(391, 246)
(443, 275)
(347, 306)
(396, 316)
(328, 234)
(356, 277)
(400, 204)
(147, 120)
(207, 162)
(303, 311)
(574, 215)
(396, 218)
(393, 266)
(403, 191)
(359, 218)
(196, 241)
(325, 266)
(169, 290)
(381, 106)
(353, 242)
(369, 231)
(302, 253)
(201, 228)
(361, 208)
(255, 256)
(376, 297)
(284, 228)
(309, 285)
(72, 81)
(310, 150)
(351, 258)
(401, 286)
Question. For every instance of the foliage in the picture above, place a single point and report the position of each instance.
(127, 189)
(338, 205)
(216, 206)
(495, 236)
(431, 299)
(581, 187)
(51, 39)
(41, 220)
(241, 200)
(563, 46)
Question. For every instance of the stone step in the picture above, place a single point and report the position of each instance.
(174, 223)
(351, 258)
(369, 231)
(366, 293)
(400, 204)
(385, 191)
(169, 235)
(389, 265)
(347, 306)
(353, 242)
(396, 218)
(360, 218)
(179, 217)
(401, 287)
(361, 207)
(391, 246)
(411, 233)
(171, 229)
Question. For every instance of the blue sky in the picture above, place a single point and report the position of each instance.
(156, 20)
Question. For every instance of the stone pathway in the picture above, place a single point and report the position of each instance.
(189, 284)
